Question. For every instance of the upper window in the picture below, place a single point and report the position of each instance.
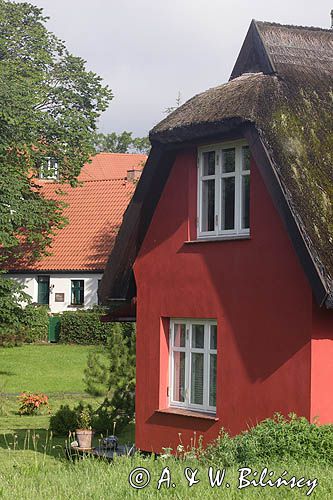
(49, 169)
(224, 190)
(77, 296)
(193, 350)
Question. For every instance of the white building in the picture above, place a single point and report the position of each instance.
(68, 278)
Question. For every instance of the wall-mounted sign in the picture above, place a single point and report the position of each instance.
(59, 297)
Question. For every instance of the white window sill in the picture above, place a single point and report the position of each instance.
(230, 237)
(185, 412)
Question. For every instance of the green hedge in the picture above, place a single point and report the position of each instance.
(84, 327)
(35, 320)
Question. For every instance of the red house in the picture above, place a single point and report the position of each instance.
(227, 248)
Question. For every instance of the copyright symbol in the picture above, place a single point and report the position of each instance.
(139, 478)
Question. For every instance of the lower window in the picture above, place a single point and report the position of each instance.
(193, 356)
(77, 293)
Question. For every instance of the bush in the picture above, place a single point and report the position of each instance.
(84, 327)
(12, 335)
(35, 319)
(30, 403)
(67, 419)
(276, 439)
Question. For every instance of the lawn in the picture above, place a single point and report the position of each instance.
(56, 370)
(33, 463)
(49, 368)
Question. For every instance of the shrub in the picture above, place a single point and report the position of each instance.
(84, 327)
(35, 319)
(12, 335)
(31, 403)
(68, 419)
(273, 439)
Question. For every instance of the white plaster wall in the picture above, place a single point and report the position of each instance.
(61, 283)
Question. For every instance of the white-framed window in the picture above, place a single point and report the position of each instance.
(224, 190)
(193, 359)
(49, 169)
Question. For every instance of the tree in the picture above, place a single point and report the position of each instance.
(49, 107)
(121, 143)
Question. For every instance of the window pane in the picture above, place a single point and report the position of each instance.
(213, 337)
(179, 376)
(179, 335)
(212, 380)
(208, 205)
(209, 163)
(228, 203)
(197, 374)
(245, 158)
(198, 336)
(245, 201)
(77, 292)
(228, 160)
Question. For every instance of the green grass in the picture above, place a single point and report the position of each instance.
(49, 368)
(24, 476)
(56, 370)
(33, 463)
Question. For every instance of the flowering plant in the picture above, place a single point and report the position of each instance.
(30, 403)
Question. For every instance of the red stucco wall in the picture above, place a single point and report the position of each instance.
(257, 292)
(322, 365)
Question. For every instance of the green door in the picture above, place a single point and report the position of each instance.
(43, 289)
(54, 328)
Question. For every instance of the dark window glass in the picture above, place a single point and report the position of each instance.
(209, 163)
(212, 380)
(228, 203)
(228, 160)
(246, 158)
(43, 294)
(197, 378)
(208, 205)
(77, 292)
(245, 201)
(198, 336)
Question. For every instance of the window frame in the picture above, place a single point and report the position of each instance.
(238, 175)
(81, 290)
(188, 349)
(51, 164)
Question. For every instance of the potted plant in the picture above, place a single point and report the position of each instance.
(84, 433)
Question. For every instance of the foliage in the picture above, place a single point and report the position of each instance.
(84, 327)
(277, 439)
(12, 336)
(121, 143)
(49, 107)
(68, 419)
(11, 297)
(116, 378)
(35, 320)
(84, 419)
(31, 403)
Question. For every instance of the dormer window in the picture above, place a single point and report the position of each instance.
(224, 190)
(49, 169)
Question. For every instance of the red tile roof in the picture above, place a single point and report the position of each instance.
(95, 210)
(111, 166)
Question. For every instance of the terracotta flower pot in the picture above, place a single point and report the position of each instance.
(84, 437)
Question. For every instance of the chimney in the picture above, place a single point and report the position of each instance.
(133, 175)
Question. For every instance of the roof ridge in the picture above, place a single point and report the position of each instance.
(294, 26)
(123, 154)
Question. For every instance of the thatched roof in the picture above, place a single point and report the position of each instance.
(281, 84)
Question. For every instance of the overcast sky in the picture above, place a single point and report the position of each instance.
(149, 50)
